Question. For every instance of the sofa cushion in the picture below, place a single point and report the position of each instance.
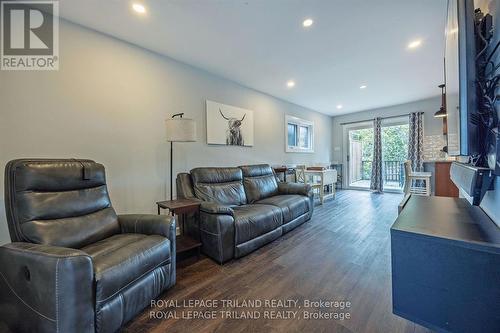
(222, 185)
(252, 221)
(291, 205)
(259, 182)
(121, 259)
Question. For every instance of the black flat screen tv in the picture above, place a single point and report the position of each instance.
(460, 70)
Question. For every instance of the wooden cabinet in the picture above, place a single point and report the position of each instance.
(444, 187)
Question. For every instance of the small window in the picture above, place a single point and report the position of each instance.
(299, 135)
(292, 134)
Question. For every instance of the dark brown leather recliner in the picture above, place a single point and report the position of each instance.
(74, 265)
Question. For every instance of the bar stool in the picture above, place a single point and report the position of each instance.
(411, 176)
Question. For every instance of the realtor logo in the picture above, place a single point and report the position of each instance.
(29, 35)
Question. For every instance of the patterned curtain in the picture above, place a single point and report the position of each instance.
(416, 141)
(377, 181)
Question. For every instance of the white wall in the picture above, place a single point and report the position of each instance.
(108, 102)
(432, 126)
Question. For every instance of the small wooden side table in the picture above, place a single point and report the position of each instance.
(182, 207)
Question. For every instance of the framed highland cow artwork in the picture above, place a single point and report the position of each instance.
(229, 125)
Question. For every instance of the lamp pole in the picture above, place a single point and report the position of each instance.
(172, 160)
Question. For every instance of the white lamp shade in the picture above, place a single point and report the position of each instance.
(180, 130)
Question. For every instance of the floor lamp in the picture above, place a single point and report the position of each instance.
(178, 130)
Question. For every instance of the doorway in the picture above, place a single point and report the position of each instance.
(358, 153)
(360, 157)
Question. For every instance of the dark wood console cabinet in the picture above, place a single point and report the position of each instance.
(446, 266)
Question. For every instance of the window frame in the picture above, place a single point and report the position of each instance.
(295, 148)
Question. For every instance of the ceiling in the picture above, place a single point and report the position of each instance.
(262, 44)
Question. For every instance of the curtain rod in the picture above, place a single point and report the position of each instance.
(388, 117)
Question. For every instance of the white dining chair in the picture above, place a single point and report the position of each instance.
(319, 181)
(303, 178)
(412, 177)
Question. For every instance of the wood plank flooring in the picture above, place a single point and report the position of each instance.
(342, 253)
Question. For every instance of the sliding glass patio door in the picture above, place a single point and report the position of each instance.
(394, 153)
(358, 153)
(360, 157)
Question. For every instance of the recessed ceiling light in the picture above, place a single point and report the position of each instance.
(307, 23)
(414, 44)
(339, 106)
(362, 87)
(139, 8)
(290, 83)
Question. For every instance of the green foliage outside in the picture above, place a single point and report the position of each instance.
(394, 145)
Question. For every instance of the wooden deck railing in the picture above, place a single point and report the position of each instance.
(393, 171)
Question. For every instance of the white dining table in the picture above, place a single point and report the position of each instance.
(326, 177)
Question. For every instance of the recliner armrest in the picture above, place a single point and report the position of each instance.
(46, 288)
(148, 224)
(295, 188)
(215, 208)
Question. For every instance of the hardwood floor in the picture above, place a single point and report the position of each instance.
(343, 253)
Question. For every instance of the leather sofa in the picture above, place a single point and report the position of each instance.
(74, 265)
(243, 208)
